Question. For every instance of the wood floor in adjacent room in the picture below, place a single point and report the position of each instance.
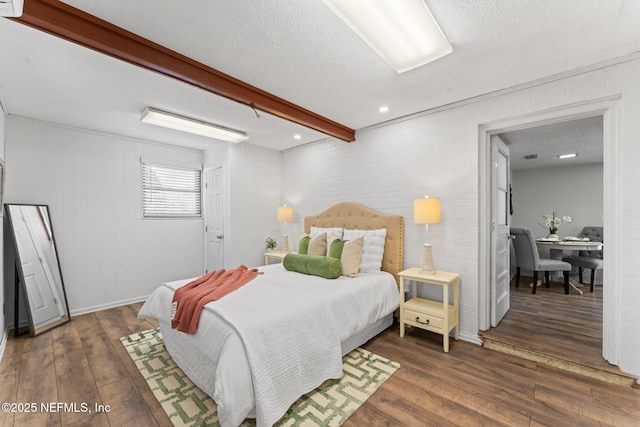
(550, 322)
(83, 361)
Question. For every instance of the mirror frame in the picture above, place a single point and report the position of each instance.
(21, 285)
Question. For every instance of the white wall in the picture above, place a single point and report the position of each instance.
(386, 168)
(253, 191)
(3, 336)
(576, 191)
(437, 154)
(92, 184)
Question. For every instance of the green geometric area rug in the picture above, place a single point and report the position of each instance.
(186, 405)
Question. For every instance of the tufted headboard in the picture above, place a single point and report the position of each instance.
(354, 216)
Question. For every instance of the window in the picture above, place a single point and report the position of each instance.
(170, 192)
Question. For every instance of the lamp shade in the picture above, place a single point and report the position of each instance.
(285, 213)
(426, 211)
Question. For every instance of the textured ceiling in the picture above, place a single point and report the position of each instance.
(581, 136)
(300, 51)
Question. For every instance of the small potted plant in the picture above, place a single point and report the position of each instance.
(270, 244)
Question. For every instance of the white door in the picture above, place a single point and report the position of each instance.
(214, 219)
(500, 235)
(30, 233)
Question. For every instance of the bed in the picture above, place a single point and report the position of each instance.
(281, 335)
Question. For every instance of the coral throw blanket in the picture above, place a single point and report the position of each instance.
(190, 299)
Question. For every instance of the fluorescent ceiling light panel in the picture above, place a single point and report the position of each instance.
(11, 8)
(403, 32)
(186, 124)
(567, 156)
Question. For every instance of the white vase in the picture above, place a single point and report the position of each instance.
(553, 236)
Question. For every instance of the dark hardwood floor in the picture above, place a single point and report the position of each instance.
(549, 322)
(83, 361)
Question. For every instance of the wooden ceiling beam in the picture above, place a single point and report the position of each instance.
(64, 21)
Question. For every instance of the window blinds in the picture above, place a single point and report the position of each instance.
(170, 192)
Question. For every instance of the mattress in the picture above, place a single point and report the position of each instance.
(284, 306)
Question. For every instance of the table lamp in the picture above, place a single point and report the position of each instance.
(285, 215)
(427, 211)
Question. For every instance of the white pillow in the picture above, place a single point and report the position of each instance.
(319, 230)
(372, 249)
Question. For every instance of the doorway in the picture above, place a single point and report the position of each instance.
(566, 327)
(608, 110)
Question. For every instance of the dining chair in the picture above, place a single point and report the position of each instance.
(592, 260)
(527, 257)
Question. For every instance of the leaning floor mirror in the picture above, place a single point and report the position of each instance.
(38, 273)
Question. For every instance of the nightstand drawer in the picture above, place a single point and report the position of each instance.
(422, 320)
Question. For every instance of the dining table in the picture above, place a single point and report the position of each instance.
(558, 247)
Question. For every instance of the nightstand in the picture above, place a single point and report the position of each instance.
(440, 317)
(276, 256)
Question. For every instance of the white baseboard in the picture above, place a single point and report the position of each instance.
(473, 339)
(3, 343)
(100, 307)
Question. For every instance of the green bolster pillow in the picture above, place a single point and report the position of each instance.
(329, 268)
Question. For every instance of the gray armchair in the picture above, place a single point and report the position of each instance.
(593, 260)
(527, 256)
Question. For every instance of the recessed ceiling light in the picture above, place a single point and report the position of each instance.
(567, 156)
(297, 136)
(383, 108)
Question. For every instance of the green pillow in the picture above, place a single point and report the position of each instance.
(335, 250)
(322, 266)
(303, 245)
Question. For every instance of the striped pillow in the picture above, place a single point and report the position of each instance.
(372, 248)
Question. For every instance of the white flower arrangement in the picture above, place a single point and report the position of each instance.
(552, 222)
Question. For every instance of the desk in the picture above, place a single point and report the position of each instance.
(556, 252)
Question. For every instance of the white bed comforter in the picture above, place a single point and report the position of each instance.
(274, 339)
